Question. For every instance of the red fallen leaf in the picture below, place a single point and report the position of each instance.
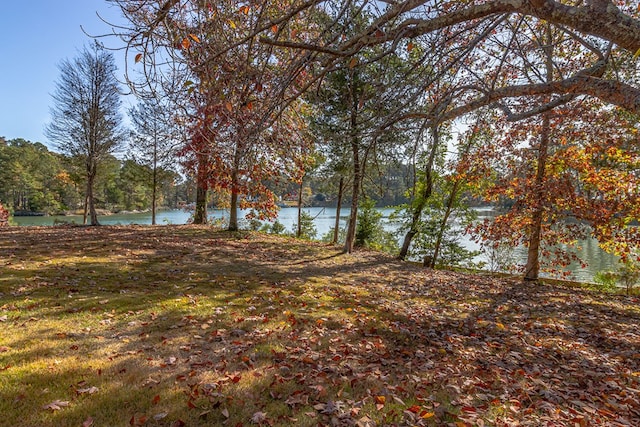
(414, 409)
(156, 399)
(236, 378)
(178, 423)
(140, 421)
(191, 405)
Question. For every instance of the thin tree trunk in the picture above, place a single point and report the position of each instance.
(93, 215)
(336, 229)
(153, 200)
(233, 210)
(443, 224)
(154, 183)
(233, 213)
(86, 206)
(299, 230)
(200, 214)
(532, 268)
(353, 216)
(422, 198)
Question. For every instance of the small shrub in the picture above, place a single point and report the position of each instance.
(605, 281)
(369, 223)
(308, 229)
(370, 231)
(627, 276)
(277, 228)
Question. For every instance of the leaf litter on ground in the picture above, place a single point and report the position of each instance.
(183, 325)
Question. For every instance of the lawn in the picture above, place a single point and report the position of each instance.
(187, 326)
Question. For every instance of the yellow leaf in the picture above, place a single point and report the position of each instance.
(274, 28)
(186, 44)
(232, 24)
(635, 55)
(427, 415)
(194, 38)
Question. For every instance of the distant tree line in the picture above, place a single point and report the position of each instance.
(36, 180)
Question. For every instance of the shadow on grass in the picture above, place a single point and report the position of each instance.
(204, 326)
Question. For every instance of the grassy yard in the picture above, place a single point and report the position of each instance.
(185, 326)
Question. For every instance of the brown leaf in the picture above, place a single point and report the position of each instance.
(88, 390)
(258, 417)
(56, 405)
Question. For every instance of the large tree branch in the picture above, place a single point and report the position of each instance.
(601, 19)
(613, 92)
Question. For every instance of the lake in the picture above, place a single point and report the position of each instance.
(324, 220)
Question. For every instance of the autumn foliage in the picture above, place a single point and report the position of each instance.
(4, 216)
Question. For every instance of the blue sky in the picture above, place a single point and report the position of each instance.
(35, 36)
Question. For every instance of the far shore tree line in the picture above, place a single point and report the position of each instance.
(38, 181)
(532, 105)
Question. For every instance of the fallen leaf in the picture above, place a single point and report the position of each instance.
(258, 417)
(88, 390)
(56, 405)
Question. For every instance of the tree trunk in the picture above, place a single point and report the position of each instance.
(93, 215)
(200, 214)
(443, 224)
(299, 229)
(353, 216)
(336, 229)
(154, 196)
(532, 268)
(233, 210)
(85, 207)
(422, 198)
(154, 184)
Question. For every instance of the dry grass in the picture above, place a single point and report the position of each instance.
(182, 325)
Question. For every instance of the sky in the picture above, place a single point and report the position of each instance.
(35, 36)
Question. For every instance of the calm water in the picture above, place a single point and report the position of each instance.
(324, 220)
